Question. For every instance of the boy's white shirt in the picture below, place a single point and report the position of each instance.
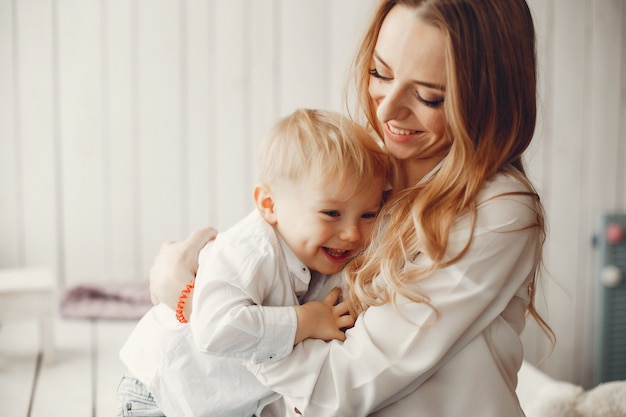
(247, 284)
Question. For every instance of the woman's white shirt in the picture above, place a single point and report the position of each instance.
(402, 360)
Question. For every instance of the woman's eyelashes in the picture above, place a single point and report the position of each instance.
(374, 73)
(427, 102)
(430, 103)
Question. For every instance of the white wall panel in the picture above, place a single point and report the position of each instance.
(305, 63)
(81, 142)
(199, 110)
(232, 110)
(11, 246)
(121, 145)
(601, 182)
(571, 91)
(161, 147)
(38, 126)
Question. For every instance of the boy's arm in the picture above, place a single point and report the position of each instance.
(323, 319)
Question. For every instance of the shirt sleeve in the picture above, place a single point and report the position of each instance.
(391, 350)
(229, 318)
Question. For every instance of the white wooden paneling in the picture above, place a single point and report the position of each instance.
(232, 109)
(304, 61)
(37, 123)
(538, 155)
(264, 79)
(601, 183)
(119, 99)
(347, 23)
(81, 157)
(570, 102)
(126, 123)
(11, 246)
(199, 112)
(160, 145)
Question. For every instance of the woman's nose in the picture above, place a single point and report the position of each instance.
(392, 105)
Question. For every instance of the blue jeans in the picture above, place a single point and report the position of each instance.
(134, 400)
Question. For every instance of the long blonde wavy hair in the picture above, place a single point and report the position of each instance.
(490, 109)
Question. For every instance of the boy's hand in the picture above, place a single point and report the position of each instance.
(323, 319)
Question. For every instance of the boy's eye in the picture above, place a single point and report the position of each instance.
(332, 213)
(369, 215)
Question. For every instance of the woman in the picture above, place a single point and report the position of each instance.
(442, 293)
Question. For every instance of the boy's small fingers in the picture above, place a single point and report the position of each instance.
(341, 308)
(345, 321)
(332, 297)
(340, 336)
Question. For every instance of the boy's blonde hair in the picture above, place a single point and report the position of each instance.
(325, 147)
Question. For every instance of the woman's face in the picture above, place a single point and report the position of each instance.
(408, 85)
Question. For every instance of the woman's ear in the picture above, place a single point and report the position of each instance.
(265, 203)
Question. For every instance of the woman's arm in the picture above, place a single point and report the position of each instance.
(392, 351)
(176, 266)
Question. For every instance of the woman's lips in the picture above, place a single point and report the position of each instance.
(399, 135)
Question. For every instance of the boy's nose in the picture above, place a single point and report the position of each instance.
(350, 234)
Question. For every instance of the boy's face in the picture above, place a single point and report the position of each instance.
(326, 225)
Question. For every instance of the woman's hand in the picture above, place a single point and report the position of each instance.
(175, 266)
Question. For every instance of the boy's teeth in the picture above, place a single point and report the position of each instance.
(336, 252)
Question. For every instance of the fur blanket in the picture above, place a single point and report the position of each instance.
(127, 300)
(562, 399)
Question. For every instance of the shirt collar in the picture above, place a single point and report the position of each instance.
(297, 269)
(433, 171)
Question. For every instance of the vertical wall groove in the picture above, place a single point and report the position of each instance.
(107, 200)
(57, 145)
(247, 52)
(583, 287)
(184, 119)
(277, 56)
(17, 141)
(212, 113)
(136, 148)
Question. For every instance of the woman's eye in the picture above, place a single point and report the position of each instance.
(430, 103)
(374, 73)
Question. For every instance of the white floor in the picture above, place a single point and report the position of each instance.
(79, 380)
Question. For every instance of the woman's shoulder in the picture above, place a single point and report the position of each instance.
(507, 199)
(505, 183)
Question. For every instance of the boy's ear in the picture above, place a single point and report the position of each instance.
(265, 203)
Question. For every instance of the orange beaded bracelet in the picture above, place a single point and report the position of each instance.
(180, 316)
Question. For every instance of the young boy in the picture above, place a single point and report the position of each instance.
(322, 181)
